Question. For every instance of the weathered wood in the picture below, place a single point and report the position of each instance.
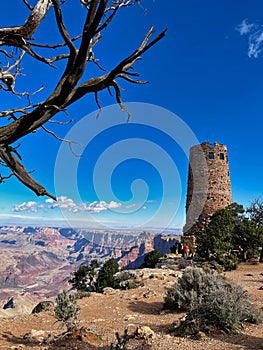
(22, 121)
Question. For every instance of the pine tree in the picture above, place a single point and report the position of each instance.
(105, 275)
(84, 278)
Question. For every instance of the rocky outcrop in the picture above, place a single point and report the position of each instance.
(18, 305)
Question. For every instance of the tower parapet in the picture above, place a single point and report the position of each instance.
(209, 186)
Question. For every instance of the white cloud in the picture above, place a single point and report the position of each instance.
(98, 206)
(255, 44)
(66, 203)
(62, 202)
(114, 205)
(255, 37)
(27, 206)
(244, 27)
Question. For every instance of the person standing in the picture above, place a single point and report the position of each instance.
(186, 250)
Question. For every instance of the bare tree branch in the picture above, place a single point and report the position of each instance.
(21, 173)
(63, 31)
(70, 87)
(70, 142)
(102, 82)
(3, 178)
(15, 36)
(28, 5)
(56, 45)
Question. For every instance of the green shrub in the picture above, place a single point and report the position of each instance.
(151, 259)
(228, 262)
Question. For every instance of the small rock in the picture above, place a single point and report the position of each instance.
(37, 335)
(130, 317)
(145, 332)
(86, 335)
(109, 291)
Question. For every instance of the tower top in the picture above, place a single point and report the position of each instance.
(207, 145)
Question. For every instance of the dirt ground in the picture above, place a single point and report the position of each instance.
(104, 314)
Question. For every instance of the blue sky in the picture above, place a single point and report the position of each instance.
(208, 71)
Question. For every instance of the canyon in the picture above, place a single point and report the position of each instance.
(37, 262)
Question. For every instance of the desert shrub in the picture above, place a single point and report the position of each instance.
(131, 284)
(212, 302)
(67, 310)
(127, 279)
(226, 309)
(151, 259)
(124, 275)
(81, 295)
(194, 285)
(106, 275)
(210, 265)
(184, 263)
(121, 341)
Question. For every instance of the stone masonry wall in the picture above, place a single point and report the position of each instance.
(209, 187)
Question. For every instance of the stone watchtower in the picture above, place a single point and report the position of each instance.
(209, 187)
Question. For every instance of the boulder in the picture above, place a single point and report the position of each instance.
(18, 305)
(43, 306)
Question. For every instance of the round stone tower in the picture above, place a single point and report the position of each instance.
(209, 187)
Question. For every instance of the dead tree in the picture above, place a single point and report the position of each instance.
(17, 42)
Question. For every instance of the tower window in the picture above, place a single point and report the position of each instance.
(221, 156)
(211, 155)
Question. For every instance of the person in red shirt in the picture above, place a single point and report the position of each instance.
(186, 250)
